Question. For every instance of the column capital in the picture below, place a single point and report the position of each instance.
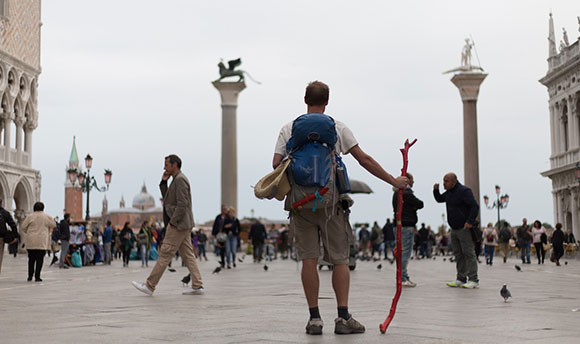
(7, 115)
(229, 91)
(468, 84)
(31, 124)
(19, 121)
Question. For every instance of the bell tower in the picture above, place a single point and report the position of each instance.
(73, 195)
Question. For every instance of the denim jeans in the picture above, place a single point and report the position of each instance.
(389, 246)
(525, 252)
(231, 247)
(489, 251)
(407, 237)
(144, 255)
(201, 250)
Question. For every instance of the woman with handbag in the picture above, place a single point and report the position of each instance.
(537, 232)
(36, 228)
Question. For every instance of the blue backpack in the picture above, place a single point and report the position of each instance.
(311, 148)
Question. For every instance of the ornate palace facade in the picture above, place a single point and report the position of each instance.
(563, 83)
(19, 70)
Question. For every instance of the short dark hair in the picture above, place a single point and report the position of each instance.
(317, 93)
(558, 225)
(38, 206)
(108, 223)
(174, 159)
(66, 216)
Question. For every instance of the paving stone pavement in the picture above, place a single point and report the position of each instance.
(249, 305)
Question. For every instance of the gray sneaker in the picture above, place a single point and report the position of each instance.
(314, 326)
(349, 326)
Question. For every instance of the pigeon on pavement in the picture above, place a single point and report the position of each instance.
(185, 280)
(265, 267)
(217, 270)
(505, 293)
(518, 267)
(171, 270)
(380, 266)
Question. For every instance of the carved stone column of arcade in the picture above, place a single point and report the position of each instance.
(574, 210)
(468, 85)
(229, 92)
(8, 118)
(556, 206)
(29, 127)
(572, 135)
(19, 121)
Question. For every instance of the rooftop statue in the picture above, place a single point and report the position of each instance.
(565, 37)
(466, 65)
(231, 71)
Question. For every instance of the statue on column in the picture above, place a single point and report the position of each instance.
(466, 65)
(230, 71)
(466, 54)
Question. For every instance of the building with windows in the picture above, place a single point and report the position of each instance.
(19, 70)
(563, 83)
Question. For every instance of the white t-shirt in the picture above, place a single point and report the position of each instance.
(344, 143)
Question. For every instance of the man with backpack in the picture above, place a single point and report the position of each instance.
(524, 234)
(316, 201)
(504, 241)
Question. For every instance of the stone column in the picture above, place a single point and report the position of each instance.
(559, 213)
(571, 126)
(574, 210)
(468, 85)
(556, 209)
(8, 117)
(229, 92)
(552, 131)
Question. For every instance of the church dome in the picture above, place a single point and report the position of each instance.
(143, 200)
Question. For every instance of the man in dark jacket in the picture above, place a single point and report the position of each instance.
(408, 220)
(64, 236)
(6, 236)
(257, 236)
(424, 241)
(389, 239)
(462, 211)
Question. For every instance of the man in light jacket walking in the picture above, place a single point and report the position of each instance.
(178, 218)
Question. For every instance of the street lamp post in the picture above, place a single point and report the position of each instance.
(501, 203)
(87, 182)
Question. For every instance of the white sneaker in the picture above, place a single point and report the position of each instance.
(194, 291)
(409, 284)
(142, 288)
(470, 285)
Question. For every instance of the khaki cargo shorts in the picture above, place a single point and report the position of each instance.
(327, 225)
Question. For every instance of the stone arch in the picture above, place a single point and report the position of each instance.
(32, 88)
(4, 188)
(23, 198)
(12, 81)
(2, 76)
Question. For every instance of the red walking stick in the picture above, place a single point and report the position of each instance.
(398, 251)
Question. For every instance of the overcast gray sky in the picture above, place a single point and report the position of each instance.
(131, 79)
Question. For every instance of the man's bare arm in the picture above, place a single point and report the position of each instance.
(277, 160)
(371, 165)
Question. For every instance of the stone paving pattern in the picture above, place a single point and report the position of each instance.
(249, 305)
